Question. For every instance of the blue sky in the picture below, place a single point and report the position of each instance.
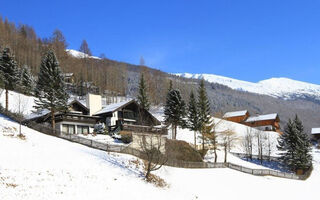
(244, 39)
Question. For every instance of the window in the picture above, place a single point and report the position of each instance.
(64, 128)
(68, 128)
(82, 129)
(79, 130)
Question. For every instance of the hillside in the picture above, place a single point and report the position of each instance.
(228, 98)
(45, 167)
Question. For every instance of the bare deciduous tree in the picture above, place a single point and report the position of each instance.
(261, 138)
(269, 144)
(228, 139)
(152, 147)
(248, 142)
(22, 105)
(210, 133)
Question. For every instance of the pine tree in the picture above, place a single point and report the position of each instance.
(174, 111)
(203, 107)
(50, 89)
(26, 80)
(9, 71)
(193, 116)
(304, 160)
(142, 96)
(295, 146)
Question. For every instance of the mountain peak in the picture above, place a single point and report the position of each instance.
(281, 87)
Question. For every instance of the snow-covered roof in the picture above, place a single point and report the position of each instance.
(113, 107)
(37, 114)
(82, 102)
(315, 131)
(272, 116)
(235, 113)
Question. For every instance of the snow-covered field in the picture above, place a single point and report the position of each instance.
(45, 167)
(240, 131)
(15, 99)
(275, 87)
(102, 138)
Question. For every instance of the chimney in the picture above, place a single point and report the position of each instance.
(94, 103)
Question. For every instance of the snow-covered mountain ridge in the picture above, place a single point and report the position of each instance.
(78, 54)
(284, 88)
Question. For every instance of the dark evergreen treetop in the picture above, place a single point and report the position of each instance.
(203, 104)
(50, 89)
(142, 96)
(193, 115)
(26, 80)
(9, 69)
(295, 146)
(175, 108)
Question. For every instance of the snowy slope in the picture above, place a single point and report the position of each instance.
(15, 99)
(276, 87)
(79, 54)
(221, 126)
(240, 131)
(45, 167)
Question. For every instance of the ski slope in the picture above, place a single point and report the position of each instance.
(276, 87)
(45, 167)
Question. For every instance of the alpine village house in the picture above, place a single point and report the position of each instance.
(84, 115)
(268, 122)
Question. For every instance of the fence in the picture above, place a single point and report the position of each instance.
(264, 157)
(187, 164)
(170, 162)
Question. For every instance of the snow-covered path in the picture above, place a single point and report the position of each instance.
(44, 167)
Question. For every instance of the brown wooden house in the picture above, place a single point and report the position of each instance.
(269, 122)
(315, 132)
(236, 116)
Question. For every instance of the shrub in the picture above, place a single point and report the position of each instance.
(126, 136)
(181, 150)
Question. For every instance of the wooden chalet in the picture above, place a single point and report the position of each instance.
(236, 116)
(81, 117)
(315, 132)
(269, 122)
(126, 113)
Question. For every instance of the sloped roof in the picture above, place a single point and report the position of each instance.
(81, 103)
(315, 131)
(235, 113)
(272, 116)
(113, 107)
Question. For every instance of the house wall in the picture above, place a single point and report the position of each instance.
(94, 103)
(316, 136)
(264, 123)
(59, 126)
(151, 139)
(237, 119)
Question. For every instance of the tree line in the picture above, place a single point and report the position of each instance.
(109, 76)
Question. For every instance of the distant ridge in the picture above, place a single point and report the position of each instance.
(283, 88)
